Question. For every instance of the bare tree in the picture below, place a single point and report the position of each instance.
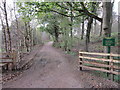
(7, 27)
(4, 34)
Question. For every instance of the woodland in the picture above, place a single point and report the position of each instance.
(71, 26)
(66, 22)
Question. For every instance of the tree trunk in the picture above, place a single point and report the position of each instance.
(71, 25)
(119, 34)
(94, 27)
(90, 21)
(71, 28)
(8, 31)
(107, 15)
(82, 34)
(26, 37)
(71, 19)
(56, 33)
(16, 18)
(65, 40)
(107, 22)
(4, 33)
(30, 36)
(34, 37)
(101, 29)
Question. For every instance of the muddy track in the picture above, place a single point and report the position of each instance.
(53, 69)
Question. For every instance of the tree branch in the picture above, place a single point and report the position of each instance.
(1, 8)
(89, 14)
(62, 6)
(64, 14)
(85, 11)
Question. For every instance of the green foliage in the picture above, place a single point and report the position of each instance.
(71, 53)
(60, 18)
(2, 50)
(49, 21)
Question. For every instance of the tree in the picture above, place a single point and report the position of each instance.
(119, 33)
(82, 33)
(89, 25)
(4, 35)
(7, 27)
(90, 21)
(107, 21)
(70, 10)
(52, 25)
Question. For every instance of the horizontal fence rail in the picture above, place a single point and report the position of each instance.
(103, 62)
(7, 59)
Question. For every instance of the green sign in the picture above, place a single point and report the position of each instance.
(109, 41)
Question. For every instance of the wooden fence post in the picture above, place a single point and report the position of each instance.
(108, 63)
(111, 67)
(14, 58)
(80, 54)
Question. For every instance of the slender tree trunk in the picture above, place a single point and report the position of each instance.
(7, 26)
(65, 39)
(71, 19)
(119, 34)
(95, 26)
(101, 29)
(30, 36)
(17, 25)
(19, 44)
(90, 21)
(82, 34)
(26, 38)
(34, 37)
(56, 33)
(71, 27)
(4, 33)
(32, 31)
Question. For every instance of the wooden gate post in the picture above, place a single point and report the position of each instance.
(14, 58)
(111, 67)
(80, 62)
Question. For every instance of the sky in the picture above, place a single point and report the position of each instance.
(115, 8)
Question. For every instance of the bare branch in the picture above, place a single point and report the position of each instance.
(65, 14)
(1, 8)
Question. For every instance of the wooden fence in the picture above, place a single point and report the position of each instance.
(8, 60)
(103, 62)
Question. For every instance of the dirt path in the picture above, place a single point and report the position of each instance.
(53, 69)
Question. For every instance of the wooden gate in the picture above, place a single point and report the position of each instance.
(104, 62)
